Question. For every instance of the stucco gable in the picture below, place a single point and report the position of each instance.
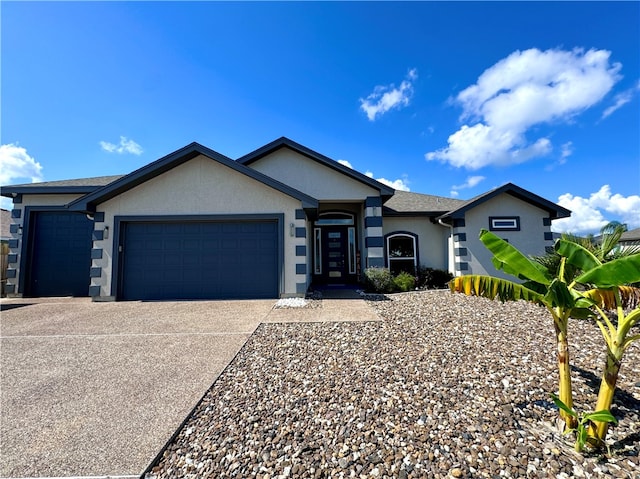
(554, 210)
(269, 151)
(88, 202)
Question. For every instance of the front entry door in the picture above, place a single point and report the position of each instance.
(334, 254)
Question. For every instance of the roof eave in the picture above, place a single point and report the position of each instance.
(555, 211)
(89, 202)
(11, 192)
(431, 214)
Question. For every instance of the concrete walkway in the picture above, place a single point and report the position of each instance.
(96, 389)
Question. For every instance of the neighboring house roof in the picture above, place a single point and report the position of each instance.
(555, 211)
(166, 163)
(5, 222)
(283, 142)
(80, 185)
(405, 203)
(630, 236)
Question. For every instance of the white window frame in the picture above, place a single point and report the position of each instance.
(402, 258)
(504, 223)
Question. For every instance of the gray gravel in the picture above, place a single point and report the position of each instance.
(445, 386)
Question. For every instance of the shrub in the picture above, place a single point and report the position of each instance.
(404, 281)
(429, 278)
(378, 280)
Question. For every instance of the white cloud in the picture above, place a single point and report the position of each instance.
(621, 99)
(399, 184)
(16, 166)
(588, 215)
(566, 150)
(469, 183)
(125, 146)
(385, 98)
(525, 89)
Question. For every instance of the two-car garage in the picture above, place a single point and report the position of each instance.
(198, 259)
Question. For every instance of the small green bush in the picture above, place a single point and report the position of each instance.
(429, 278)
(378, 280)
(405, 282)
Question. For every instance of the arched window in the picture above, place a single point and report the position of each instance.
(402, 253)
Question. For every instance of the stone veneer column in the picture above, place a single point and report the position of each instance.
(13, 259)
(300, 245)
(373, 240)
(460, 252)
(98, 286)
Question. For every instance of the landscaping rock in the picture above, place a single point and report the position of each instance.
(445, 386)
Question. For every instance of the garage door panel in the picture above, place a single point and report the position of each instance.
(200, 260)
(60, 248)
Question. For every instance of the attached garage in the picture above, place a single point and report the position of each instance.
(196, 259)
(60, 254)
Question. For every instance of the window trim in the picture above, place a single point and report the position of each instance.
(494, 226)
(416, 252)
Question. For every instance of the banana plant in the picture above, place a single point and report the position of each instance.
(608, 291)
(590, 288)
(584, 421)
(540, 286)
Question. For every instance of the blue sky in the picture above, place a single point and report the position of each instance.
(450, 99)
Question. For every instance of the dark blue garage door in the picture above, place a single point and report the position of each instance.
(200, 260)
(60, 254)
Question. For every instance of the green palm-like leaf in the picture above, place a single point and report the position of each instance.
(559, 295)
(512, 261)
(563, 406)
(601, 416)
(618, 272)
(611, 235)
(577, 255)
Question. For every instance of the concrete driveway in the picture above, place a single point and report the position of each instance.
(96, 389)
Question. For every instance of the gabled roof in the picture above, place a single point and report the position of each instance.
(405, 203)
(630, 236)
(555, 211)
(166, 163)
(283, 142)
(80, 185)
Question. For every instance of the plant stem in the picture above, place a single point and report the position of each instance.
(605, 394)
(565, 392)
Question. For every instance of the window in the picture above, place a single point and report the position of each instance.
(401, 253)
(504, 223)
(317, 251)
(332, 218)
(352, 250)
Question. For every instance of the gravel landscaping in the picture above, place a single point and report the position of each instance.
(445, 386)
